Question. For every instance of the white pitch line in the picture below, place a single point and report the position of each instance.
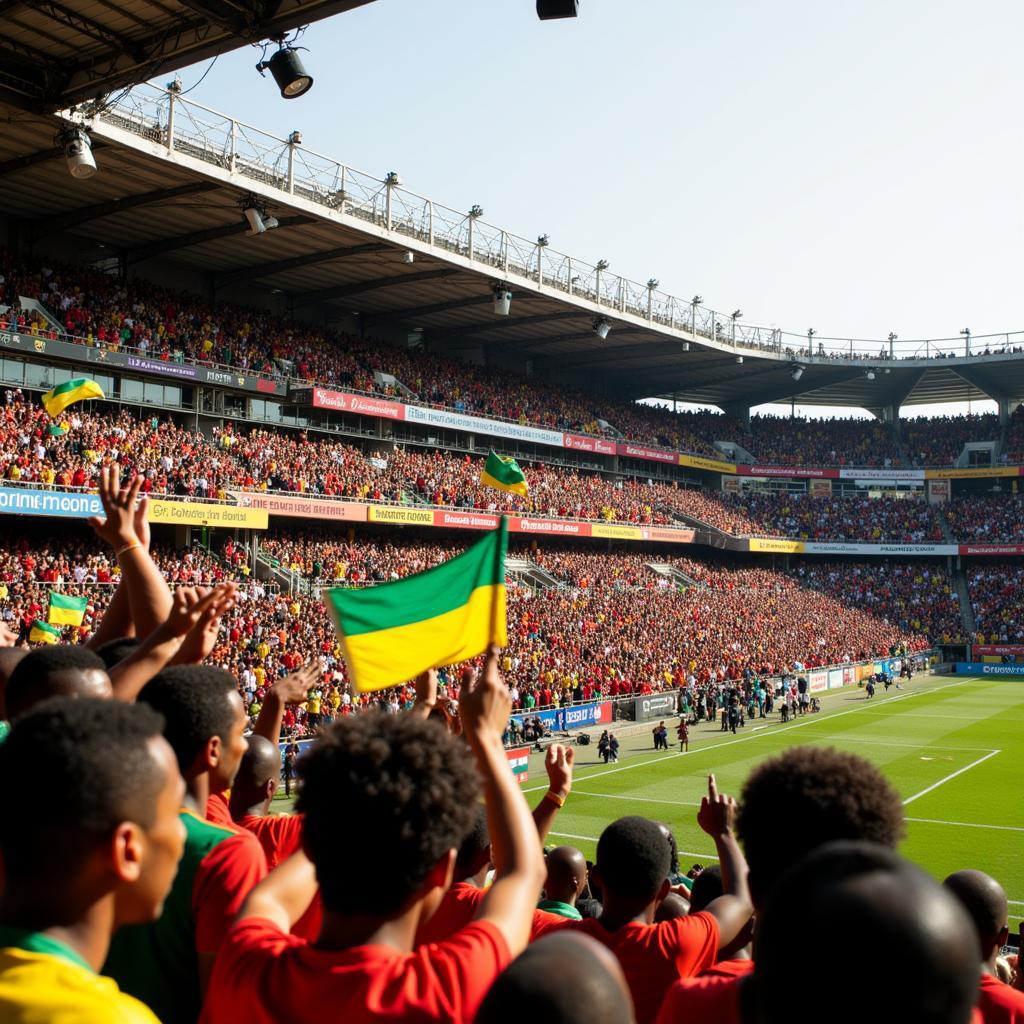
(756, 736)
(953, 775)
(853, 738)
(593, 839)
(966, 824)
(637, 799)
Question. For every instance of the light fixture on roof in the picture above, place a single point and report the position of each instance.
(602, 265)
(286, 66)
(686, 346)
(696, 300)
(77, 148)
(295, 139)
(602, 327)
(475, 211)
(870, 374)
(408, 256)
(543, 241)
(652, 283)
(271, 222)
(256, 224)
(739, 359)
(798, 372)
(392, 179)
(502, 299)
(255, 213)
(549, 10)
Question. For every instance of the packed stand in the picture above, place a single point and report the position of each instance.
(939, 440)
(997, 599)
(799, 441)
(986, 519)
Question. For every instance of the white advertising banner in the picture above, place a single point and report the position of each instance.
(882, 475)
(844, 548)
(478, 425)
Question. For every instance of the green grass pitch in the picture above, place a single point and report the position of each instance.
(952, 746)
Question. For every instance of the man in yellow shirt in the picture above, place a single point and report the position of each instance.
(91, 843)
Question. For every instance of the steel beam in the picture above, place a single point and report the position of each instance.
(39, 156)
(257, 270)
(360, 287)
(148, 251)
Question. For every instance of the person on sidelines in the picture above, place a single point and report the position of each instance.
(566, 880)
(90, 842)
(412, 789)
(565, 978)
(632, 869)
(870, 902)
(167, 964)
(985, 902)
(790, 805)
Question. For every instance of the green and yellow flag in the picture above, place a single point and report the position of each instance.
(66, 611)
(450, 613)
(63, 395)
(504, 474)
(57, 429)
(41, 633)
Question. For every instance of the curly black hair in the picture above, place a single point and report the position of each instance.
(117, 649)
(49, 672)
(633, 858)
(413, 790)
(84, 768)
(193, 700)
(809, 796)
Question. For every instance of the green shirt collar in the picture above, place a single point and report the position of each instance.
(561, 909)
(38, 942)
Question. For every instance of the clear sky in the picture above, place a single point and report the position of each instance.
(856, 168)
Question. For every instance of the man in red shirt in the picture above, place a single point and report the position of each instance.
(790, 805)
(632, 868)
(167, 964)
(985, 902)
(412, 789)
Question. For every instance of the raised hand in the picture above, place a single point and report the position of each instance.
(558, 763)
(717, 811)
(117, 527)
(485, 703)
(204, 615)
(293, 689)
(141, 521)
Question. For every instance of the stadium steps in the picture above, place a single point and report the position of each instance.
(947, 530)
(268, 568)
(963, 592)
(530, 574)
(35, 306)
(672, 574)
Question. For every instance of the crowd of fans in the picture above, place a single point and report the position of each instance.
(987, 519)
(799, 441)
(137, 842)
(997, 600)
(939, 440)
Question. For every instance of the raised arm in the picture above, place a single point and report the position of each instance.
(733, 908)
(558, 764)
(290, 690)
(484, 707)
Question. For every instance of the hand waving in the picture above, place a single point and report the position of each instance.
(117, 527)
(717, 811)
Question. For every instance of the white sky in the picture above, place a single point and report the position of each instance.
(855, 168)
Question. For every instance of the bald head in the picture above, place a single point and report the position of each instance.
(58, 671)
(862, 897)
(567, 874)
(984, 899)
(257, 778)
(671, 907)
(565, 978)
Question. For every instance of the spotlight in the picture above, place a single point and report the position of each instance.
(256, 224)
(602, 265)
(798, 372)
(295, 138)
(739, 359)
(737, 313)
(292, 78)
(543, 240)
(408, 257)
(393, 178)
(548, 10)
(502, 299)
(77, 148)
(271, 222)
(476, 211)
(652, 283)
(696, 300)
(602, 327)
(870, 374)
(686, 346)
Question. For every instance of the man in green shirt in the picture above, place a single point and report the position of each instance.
(566, 880)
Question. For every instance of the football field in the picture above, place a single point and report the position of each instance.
(952, 746)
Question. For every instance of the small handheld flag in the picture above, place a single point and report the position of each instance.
(63, 395)
(66, 611)
(450, 613)
(57, 429)
(41, 633)
(504, 474)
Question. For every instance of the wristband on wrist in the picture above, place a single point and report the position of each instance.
(558, 801)
(127, 547)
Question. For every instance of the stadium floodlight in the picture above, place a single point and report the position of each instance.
(870, 374)
(652, 283)
(286, 66)
(602, 327)
(549, 10)
(392, 179)
(696, 300)
(739, 359)
(295, 139)
(408, 256)
(77, 148)
(543, 241)
(502, 299)
(686, 346)
(736, 314)
(253, 216)
(271, 222)
(602, 265)
(798, 372)
(475, 211)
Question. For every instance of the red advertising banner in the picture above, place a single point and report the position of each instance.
(555, 527)
(636, 451)
(981, 650)
(305, 508)
(579, 443)
(342, 401)
(992, 549)
(466, 520)
(802, 472)
(660, 533)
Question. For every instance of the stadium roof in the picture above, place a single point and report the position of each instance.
(56, 54)
(344, 240)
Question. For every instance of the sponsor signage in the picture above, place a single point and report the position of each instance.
(777, 544)
(303, 507)
(991, 549)
(185, 513)
(479, 425)
(660, 533)
(400, 514)
(979, 668)
(561, 527)
(63, 504)
(519, 762)
(882, 475)
(560, 719)
(616, 530)
(711, 465)
(973, 473)
(802, 472)
(1010, 650)
(657, 705)
(344, 401)
(853, 548)
(581, 443)
(467, 520)
(636, 451)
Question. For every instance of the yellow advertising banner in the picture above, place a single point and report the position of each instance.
(971, 474)
(196, 513)
(776, 544)
(400, 514)
(711, 465)
(616, 531)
